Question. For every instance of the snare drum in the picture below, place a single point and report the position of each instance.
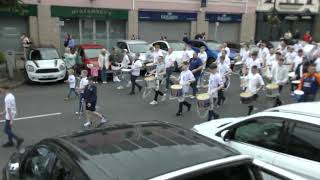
(176, 90)
(243, 82)
(292, 75)
(272, 90)
(298, 95)
(150, 67)
(238, 66)
(115, 68)
(246, 98)
(295, 83)
(125, 70)
(203, 101)
(150, 82)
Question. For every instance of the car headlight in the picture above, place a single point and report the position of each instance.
(30, 68)
(62, 67)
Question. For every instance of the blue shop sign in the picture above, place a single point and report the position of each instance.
(167, 16)
(223, 17)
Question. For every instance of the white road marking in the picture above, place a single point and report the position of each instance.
(33, 117)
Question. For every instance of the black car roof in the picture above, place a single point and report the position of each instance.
(143, 150)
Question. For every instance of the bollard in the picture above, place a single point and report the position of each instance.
(10, 64)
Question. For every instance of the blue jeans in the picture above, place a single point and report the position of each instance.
(81, 102)
(104, 75)
(8, 131)
(72, 90)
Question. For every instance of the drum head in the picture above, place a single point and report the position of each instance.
(246, 94)
(149, 64)
(151, 78)
(176, 86)
(126, 70)
(298, 92)
(295, 82)
(272, 86)
(238, 63)
(203, 96)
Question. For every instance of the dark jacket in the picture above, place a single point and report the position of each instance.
(304, 69)
(90, 93)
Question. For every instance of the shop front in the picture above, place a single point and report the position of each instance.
(288, 22)
(153, 25)
(13, 23)
(224, 27)
(91, 25)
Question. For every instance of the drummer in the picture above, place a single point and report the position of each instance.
(215, 85)
(185, 79)
(169, 65)
(224, 71)
(255, 84)
(309, 84)
(159, 73)
(279, 76)
(124, 64)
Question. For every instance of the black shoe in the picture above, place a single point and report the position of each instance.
(131, 93)
(8, 144)
(179, 114)
(189, 107)
(19, 142)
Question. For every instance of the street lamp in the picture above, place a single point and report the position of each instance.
(273, 19)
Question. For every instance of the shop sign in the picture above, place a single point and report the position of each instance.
(223, 17)
(70, 12)
(167, 16)
(25, 10)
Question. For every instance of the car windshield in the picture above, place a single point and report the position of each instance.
(177, 46)
(138, 48)
(47, 54)
(92, 53)
(213, 45)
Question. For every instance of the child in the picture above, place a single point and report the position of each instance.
(83, 83)
(72, 84)
(160, 71)
(94, 73)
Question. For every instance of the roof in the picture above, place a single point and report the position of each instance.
(91, 46)
(308, 109)
(157, 147)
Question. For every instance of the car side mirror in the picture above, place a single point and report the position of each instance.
(226, 135)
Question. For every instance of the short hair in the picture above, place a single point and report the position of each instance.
(186, 63)
(223, 57)
(71, 71)
(255, 67)
(300, 51)
(254, 53)
(213, 66)
(281, 59)
(278, 53)
(84, 72)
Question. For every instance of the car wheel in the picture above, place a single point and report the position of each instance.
(28, 80)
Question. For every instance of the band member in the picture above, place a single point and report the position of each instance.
(255, 84)
(203, 56)
(263, 52)
(135, 73)
(309, 84)
(83, 83)
(215, 85)
(157, 52)
(159, 72)
(223, 52)
(252, 61)
(224, 71)
(185, 79)
(196, 68)
(169, 65)
(90, 99)
(290, 57)
(279, 75)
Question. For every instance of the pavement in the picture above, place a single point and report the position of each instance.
(42, 111)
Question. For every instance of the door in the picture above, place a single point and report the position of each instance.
(303, 152)
(225, 32)
(260, 137)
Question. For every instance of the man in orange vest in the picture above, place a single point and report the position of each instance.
(309, 84)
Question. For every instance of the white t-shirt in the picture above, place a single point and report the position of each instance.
(125, 61)
(160, 69)
(10, 103)
(279, 74)
(228, 51)
(263, 53)
(135, 69)
(83, 83)
(185, 56)
(203, 56)
(215, 81)
(156, 55)
(169, 60)
(245, 55)
(226, 59)
(290, 56)
(250, 63)
(317, 62)
(254, 82)
(223, 69)
(72, 81)
(298, 60)
(271, 59)
(185, 77)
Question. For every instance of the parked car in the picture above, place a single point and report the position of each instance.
(136, 151)
(286, 136)
(133, 47)
(44, 64)
(177, 46)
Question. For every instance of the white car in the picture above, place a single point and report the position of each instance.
(177, 47)
(133, 47)
(44, 65)
(286, 136)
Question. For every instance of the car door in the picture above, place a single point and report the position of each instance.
(303, 150)
(259, 137)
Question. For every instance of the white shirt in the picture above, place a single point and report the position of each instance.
(169, 60)
(297, 47)
(125, 61)
(10, 103)
(215, 81)
(185, 56)
(156, 55)
(83, 83)
(251, 62)
(271, 59)
(279, 74)
(185, 77)
(72, 81)
(245, 54)
(254, 82)
(290, 56)
(203, 56)
(317, 62)
(298, 60)
(159, 70)
(223, 69)
(263, 53)
(228, 51)
(103, 61)
(226, 59)
(135, 69)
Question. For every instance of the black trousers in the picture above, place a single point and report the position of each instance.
(157, 93)
(277, 101)
(221, 96)
(134, 83)
(181, 106)
(251, 107)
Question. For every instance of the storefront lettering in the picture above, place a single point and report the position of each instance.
(224, 18)
(24, 11)
(169, 17)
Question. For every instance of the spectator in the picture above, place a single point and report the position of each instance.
(71, 43)
(66, 40)
(103, 61)
(69, 58)
(307, 37)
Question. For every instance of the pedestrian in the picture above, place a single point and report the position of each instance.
(10, 112)
(226, 48)
(83, 83)
(255, 84)
(309, 84)
(66, 40)
(90, 99)
(94, 72)
(115, 67)
(215, 85)
(69, 58)
(279, 76)
(71, 43)
(263, 53)
(103, 62)
(149, 54)
(157, 52)
(224, 72)
(135, 73)
(296, 34)
(186, 78)
(26, 43)
(223, 52)
(195, 67)
(185, 54)
(169, 65)
(203, 56)
(125, 60)
(159, 72)
(307, 37)
(72, 84)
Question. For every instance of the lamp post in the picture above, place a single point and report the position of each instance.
(273, 19)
